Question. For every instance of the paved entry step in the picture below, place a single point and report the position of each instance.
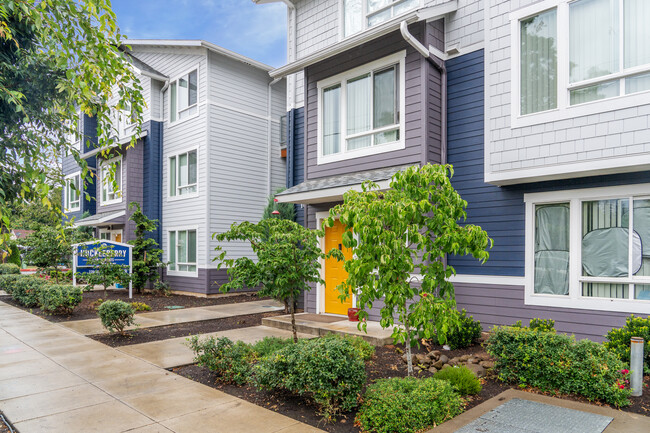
(525, 416)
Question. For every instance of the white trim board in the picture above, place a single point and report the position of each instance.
(327, 194)
(495, 280)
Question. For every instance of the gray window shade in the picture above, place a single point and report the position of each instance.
(385, 112)
(172, 251)
(331, 120)
(192, 167)
(552, 249)
(192, 83)
(538, 63)
(172, 102)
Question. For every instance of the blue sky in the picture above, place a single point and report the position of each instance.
(256, 31)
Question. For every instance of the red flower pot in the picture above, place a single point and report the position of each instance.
(353, 314)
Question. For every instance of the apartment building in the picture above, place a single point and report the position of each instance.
(542, 107)
(209, 154)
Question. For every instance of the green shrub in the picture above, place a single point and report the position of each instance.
(116, 315)
(8, 282)
(540, 325)
(557, 363)
(14, 255)
(270, 345)
(461, 378)
(59, 299)
(9, 268)
(407, 405)
(468, 332)
(140, 306)
(618, 339)
(161, 288)
(328, 370)
(366, 350)
(26, 290)
(230, 361)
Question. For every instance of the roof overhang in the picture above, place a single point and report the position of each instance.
(326, 195)
(116, 143)
(104, 219)
(431, 13)
(197, 43)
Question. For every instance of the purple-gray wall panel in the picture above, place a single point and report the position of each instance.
(504, 305)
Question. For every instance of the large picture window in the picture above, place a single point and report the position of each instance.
(182, 251)
(183, 97)
(183, 174)
(604, 56)
(111, 188)
(72, 192)
(360, 111)
(362, 14)
(593, 247)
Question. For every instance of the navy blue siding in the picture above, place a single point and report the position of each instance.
(498, 210)
(152, 175)
(296, 154)
(88, 196)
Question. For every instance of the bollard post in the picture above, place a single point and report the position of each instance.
(636, 366)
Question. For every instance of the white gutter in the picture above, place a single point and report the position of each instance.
(404, 29)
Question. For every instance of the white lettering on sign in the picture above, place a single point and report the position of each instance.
(102, 253)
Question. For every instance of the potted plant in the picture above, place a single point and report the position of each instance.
(353, 314)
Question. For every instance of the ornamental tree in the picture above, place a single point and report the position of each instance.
(287, 260)
(146, 253)
(402, 232)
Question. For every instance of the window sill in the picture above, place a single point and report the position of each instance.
(635, 306)
(180, 121)
(110, 202)
(72, 210)
(358, 153)
(182, 197)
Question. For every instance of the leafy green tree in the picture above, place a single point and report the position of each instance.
(56, 58)
(106, 273)
(287, 260)
(146, 254)
(286, 211)
(410, 227)
(47, 248)
(33, 215)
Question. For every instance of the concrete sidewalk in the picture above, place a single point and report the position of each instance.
(174, 352)
(54, 380)
(162, 318)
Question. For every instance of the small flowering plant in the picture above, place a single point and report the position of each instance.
(624, 382)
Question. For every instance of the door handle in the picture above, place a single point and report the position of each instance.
(340, 247)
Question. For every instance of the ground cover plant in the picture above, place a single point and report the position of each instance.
(116, 315)
(618, 339)
(408, 405)
(462, 379)
(558, 363)
(407, 229)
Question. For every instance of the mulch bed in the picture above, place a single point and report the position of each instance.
(145, 335)
(86, 310)
(386, 363)
(4, 428)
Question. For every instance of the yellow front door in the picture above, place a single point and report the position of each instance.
(334, 272)
(118, 237)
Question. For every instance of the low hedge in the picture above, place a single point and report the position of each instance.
(59, 298)
(26, 290)
(330, 371)
(116, 315)
(8, 281)
(230, 361)
(407, 405)
(558, 363)
(9, 268)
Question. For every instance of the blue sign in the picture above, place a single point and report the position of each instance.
(112, 251)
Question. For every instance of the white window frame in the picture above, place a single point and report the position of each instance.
(564, 110)
(575, 299)
(67, 191)
(397, 58)
(195, 105)
(176, 155)
(366, 15)
(105, 164)
(76, 138)
(169, 247)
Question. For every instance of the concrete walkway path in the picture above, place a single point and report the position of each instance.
(174, 352)
(162, 318)
(54, 380)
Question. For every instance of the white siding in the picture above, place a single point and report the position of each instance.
(613, 140)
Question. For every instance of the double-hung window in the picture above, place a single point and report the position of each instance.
(183, 174)
(361, 14)
(182, 251)
(580, 51)
(360, 110)
(72, 192)
(111, 187)
(183, 97)
(591, 247)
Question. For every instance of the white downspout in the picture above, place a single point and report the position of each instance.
(269, 134)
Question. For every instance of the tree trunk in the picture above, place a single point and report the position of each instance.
(105, 293)
(293, 319)
(409, 360)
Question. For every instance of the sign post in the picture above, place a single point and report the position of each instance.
(114, 252)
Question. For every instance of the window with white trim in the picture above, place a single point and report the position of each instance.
(183, 174)
(73, 192)
(183, 96)
(182, 251)
(604, 56)
(591, 245)
(361, 14)
(111, 187)
(74, 132)
(360, 110)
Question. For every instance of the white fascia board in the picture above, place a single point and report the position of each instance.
(428, 14)
(198, 43)
(101, 220)
(326, 195)
(115, 144)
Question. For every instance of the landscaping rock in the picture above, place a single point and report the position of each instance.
(476, 369)
(435, 353)
(414, 359)
(446, 366)
(456, 360)
(444, 359)
(422, 359)
(472, 360)
(486, 364)
(464, 358)
(433, 370)
(439, 364)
